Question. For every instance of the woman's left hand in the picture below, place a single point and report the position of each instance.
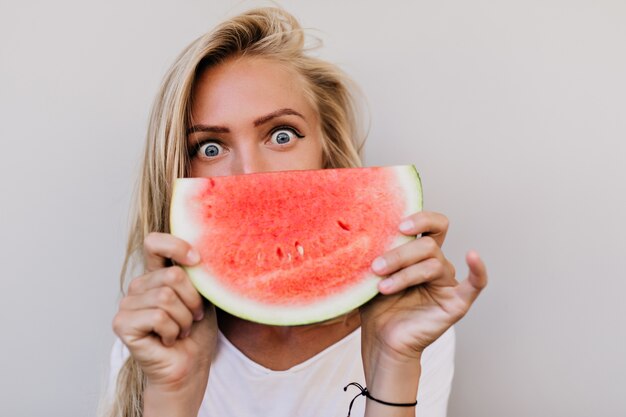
(420, 296)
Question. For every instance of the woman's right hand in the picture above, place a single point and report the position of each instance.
(165, 325)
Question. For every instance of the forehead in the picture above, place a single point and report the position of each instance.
(247, 87)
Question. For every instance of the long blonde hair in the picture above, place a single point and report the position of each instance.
(265, 32)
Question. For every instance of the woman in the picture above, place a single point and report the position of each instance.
(245, 98)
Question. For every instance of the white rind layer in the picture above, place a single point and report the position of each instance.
(287, 315)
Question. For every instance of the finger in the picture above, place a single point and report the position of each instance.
(426, 223)
(476, 281)
(207, 327)
(431, 270)
(405, 255)
(133, 326)
(166, 299)
(175, 278)
(158, 247)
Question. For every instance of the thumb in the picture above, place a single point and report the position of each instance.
(476, 280)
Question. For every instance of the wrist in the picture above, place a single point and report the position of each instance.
(180, 402)
(392, 378)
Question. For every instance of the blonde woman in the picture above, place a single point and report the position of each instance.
(246, 98)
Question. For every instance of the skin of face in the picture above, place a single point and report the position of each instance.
(252, 115)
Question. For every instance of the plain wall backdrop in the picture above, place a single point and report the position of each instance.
(514, 112)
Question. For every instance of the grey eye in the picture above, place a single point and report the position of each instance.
(210, 150)
(282, 136)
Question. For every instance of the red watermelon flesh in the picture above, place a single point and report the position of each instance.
(292, 247)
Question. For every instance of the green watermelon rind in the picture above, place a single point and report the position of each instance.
(287, 315)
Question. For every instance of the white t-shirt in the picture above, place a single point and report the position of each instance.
(239, 387)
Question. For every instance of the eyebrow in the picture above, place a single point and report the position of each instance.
(205, 128)
(257, 122)
(277, 113)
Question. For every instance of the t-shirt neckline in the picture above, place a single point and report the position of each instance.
(296, 368)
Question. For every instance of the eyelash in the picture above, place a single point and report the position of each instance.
(290, 128)
(193, 151)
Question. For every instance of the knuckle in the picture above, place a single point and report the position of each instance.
(433, 269)
(430, 245)
(458, 310)
(166, 296)
(159, 317)
(124, 303)
(451, 269)
(401, 277)
(445, 222)
(394, 258)
(175, 275)
(134, 286)
(118, 323)
(150, 241)
(437, 268)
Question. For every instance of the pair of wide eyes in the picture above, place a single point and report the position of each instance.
(280, 137)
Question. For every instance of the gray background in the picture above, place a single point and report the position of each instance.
(513, 111)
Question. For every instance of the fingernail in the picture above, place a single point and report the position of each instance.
(193, 256)
(386, 284)
(379, 264)
(199, 316)
(185, 334)
(406, 226)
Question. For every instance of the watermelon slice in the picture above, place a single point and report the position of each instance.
(293, 247)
